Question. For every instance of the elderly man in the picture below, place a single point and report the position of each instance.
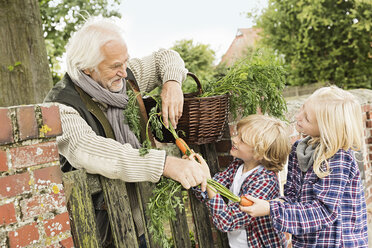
(92, 97)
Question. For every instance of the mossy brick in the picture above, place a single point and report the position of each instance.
(6, 130)
(40, 204)
(48, 175)
(27, 123)
(7, 214)
(57, 225)
(51, 120)
(31, 155)
(3, 161)
(24, 236)
(14, 185)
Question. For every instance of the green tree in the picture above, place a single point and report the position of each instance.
(61, 18)
(198, 59)
(322, 40)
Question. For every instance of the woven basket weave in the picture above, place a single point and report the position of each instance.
(203, 118)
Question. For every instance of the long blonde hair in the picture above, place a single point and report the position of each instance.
(339, 118)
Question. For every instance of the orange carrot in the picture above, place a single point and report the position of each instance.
(185, 149)
(245, 202)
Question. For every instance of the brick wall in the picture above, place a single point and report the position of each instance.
(33, 210)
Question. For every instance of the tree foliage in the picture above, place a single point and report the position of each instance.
(198, 59)
(322, 40)
(62, 17)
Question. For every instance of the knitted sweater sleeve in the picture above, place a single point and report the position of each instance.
(80, 145)
(157, 68)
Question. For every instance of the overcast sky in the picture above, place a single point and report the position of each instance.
(150, 25)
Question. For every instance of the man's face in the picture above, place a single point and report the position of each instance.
(112, 69)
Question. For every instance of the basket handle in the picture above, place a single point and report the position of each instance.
(196, 79)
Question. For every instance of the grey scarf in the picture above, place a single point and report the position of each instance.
(116, 102)
(305, 154)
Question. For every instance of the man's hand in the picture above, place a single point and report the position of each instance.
(172, 102)
(184, 171)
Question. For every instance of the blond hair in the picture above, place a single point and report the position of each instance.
(269, 138)
(339, 118)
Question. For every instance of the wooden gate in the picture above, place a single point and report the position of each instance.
(79, 187)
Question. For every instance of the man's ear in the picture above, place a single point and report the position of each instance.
(87, 71)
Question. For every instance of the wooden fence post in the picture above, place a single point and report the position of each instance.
(79, 202)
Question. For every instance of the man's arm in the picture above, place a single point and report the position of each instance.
(80, 145)
(162, 67)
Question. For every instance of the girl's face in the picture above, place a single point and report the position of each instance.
(306, 121)
(241, 150)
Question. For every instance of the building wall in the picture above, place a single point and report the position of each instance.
(33, 210)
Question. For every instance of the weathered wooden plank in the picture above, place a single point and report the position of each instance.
(203, 226)
(200, 213)
(81, 210)
(119, 211)
(209, 153)
(144, 193)
(180, 229)
(93, 183)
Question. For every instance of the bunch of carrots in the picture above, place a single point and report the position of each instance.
(213, 185)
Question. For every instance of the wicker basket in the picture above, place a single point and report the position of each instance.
(203, 119)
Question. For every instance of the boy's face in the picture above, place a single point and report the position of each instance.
(306, 121)
(241, 150)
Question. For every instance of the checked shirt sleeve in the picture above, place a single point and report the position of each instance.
(228, 217)
(318, 201)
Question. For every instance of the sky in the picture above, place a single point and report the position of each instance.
(150, 25)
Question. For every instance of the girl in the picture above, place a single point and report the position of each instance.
(261, 149)
(324, 204)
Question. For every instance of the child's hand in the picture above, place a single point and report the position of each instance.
(259, 207)
(204, 166)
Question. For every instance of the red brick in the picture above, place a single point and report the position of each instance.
(14, 185)
(366, 107)
(59, 224)
(369, 124)
(27, 123)
(67, 243)
(3, 161)
(52, 120)
(223, 146)
(7, 214)
(23, 236)
(40, 204)
(48, 175)
(6, 133)
(34, 154)
(369, 114)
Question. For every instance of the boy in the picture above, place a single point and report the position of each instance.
(260, 148)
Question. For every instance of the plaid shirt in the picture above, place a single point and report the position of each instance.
(323, 212)
(261, 183)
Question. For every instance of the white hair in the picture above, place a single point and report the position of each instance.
(84, 48)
